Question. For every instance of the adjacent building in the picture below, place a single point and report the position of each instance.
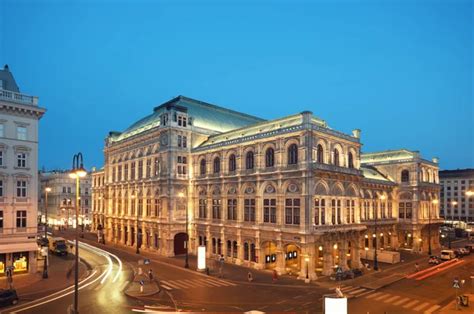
(457, 195)
(61, 206)
(290, 194)
(19, 116)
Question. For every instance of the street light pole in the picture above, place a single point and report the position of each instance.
(46, 191)
(77, 172)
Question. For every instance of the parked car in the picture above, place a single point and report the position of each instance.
(446, 255)
(58, 245)
(470, 247)
(464, 251)
(434, 260)
(42, 241)
(8, 297)
(348, 274)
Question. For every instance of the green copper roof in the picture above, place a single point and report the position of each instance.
(204, 115)
(372, 174)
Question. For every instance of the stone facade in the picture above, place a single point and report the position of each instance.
(457, 195)
(19, 116)
(289, 194)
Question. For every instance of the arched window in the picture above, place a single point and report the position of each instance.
(351, 160)
(320, 154)
(405, 176)
(249, 160)
(232, 163)
(336, 157)
(217, 165)
(428, 179)
(293, 154)
(270, 157)
(203, 167)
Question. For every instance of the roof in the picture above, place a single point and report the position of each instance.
(456, 173)
(372, 173)
(388, 155)
(204, 115)
(8, 80)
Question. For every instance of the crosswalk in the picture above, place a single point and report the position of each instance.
(195, 283)
(406, 303)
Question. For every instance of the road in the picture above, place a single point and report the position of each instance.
(99, 292)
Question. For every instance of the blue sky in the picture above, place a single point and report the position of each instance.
(401, 71)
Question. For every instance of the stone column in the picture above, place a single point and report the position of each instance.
(240, 251)
(342, 255)
(327, 260)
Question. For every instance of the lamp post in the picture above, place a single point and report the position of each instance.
(46, 191)
(435, 203)
(77, 172)
(307, 267)
(186, 241)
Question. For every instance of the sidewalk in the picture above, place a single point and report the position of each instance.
(30, 285)
(451, 307)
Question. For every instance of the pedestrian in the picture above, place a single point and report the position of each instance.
(249, 276)
(417, 267)
(150, 275)
(275, 276)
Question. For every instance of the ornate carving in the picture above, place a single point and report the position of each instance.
(269, 189)
(292, 188)
(249, 190)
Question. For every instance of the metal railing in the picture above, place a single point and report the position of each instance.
(19, 98)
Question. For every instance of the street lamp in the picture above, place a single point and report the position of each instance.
(376, 262)
(46, 191)
(77, 172)
(435, 203)
(307, 269)
(186, 242)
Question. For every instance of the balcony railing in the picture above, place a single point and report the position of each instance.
(380, 221)
(320, 229)
(18, 98)
(334, 168)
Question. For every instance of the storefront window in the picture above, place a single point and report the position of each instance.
(20, 261)
(3, 259)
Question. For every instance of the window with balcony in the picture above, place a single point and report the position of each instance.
(269, 210)
(293, 154)
(232, 163)
(21, 219)
(270, 157)
(292, 211)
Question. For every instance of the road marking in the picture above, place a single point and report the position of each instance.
(227, 283)
(383, 296)
(166, 287)
(183, 284)
(201, 283)
(401, 301)
(213, 283)
(374, 295)
(171, 284)
(392, 299)
(432, 309)
(280, 302)
(365, 293)
(410, 304)
(349, 289)
(297, 296)
(419, 307)
(357, 291)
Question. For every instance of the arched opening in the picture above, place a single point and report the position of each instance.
(320, 154)
(202, 167)
(270, 157)
(249, 160)
(268, 250)
(179, 243)
(232, 163)
(292, 258)
(217, 165)
(293, 154)
(405, 176)
(351, 160)
(336, 157)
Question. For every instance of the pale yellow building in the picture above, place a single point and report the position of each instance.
(288, 194)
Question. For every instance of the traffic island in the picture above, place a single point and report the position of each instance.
(141, 287)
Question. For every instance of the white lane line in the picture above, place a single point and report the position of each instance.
(185, 284)
(401, 301)
(166, 287)
(421, 306)
(193, 283)
(365, 293)
(213, 283)
(410, 304)
(373, 295)
(178, 284)
(432, 309)
(202, 282)
(389, 300)
(169, 283)
(383, 296)
(223, 282)
(357, 291)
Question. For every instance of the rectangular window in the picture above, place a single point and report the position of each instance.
(232, 209)
(408, 208)
(269, 210)
(249, 209)
(148, 207)
(157, 207)
(180, 141)
(21, 133)
(148, 168)
(333, 212)
(1, 219)
(21, 188)
(125, 172)
(216, 209)
(1, 158)
(401, 210)
(113, 174)
(157, 167)
(348, 211)
(2, 130)
(119, 173)
(339, 212)
(202, 208)
(1, 188)
(21, 219)
(182, 165)
(140, 169)
(132, 171)
(292, 211)
(185, 142)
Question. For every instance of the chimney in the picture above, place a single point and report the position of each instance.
(6, 68)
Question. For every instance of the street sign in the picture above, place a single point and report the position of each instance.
(456, 284)
(142, 282)
(146, 261)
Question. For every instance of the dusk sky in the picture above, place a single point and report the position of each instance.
(401, 71)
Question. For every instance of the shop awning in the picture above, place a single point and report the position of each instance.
(18, 247)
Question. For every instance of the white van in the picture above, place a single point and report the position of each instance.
(446, 255)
